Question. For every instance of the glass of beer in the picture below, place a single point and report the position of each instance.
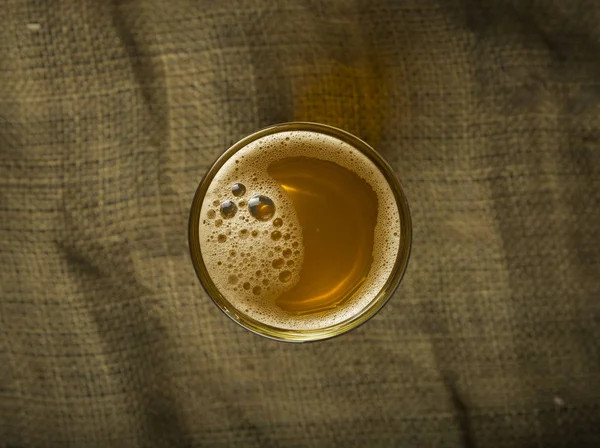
(300, 232)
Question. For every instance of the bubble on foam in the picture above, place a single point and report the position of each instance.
(261, 207)
(260, 251)
(228, 209)
(238, 189)
(285, 276)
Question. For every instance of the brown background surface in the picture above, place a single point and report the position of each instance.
(110, 113)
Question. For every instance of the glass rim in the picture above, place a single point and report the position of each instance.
(289, 335)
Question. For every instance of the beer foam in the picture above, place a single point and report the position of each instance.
(252, 262)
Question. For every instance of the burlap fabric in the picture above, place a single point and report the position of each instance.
(110, 113)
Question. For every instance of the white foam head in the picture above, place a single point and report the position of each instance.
(239, 252)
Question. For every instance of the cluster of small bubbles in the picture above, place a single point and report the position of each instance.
(228, 209)
(264, 211)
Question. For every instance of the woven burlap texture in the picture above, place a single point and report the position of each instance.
(111, 112)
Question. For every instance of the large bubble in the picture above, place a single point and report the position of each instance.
(261, 207)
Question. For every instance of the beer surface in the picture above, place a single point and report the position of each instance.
(299, 230)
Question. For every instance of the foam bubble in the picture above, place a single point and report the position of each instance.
(228, 209)
(261, 207)
(252, 236)
(238, 189)
(285, 276)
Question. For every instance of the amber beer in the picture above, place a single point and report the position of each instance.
(300, 232)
